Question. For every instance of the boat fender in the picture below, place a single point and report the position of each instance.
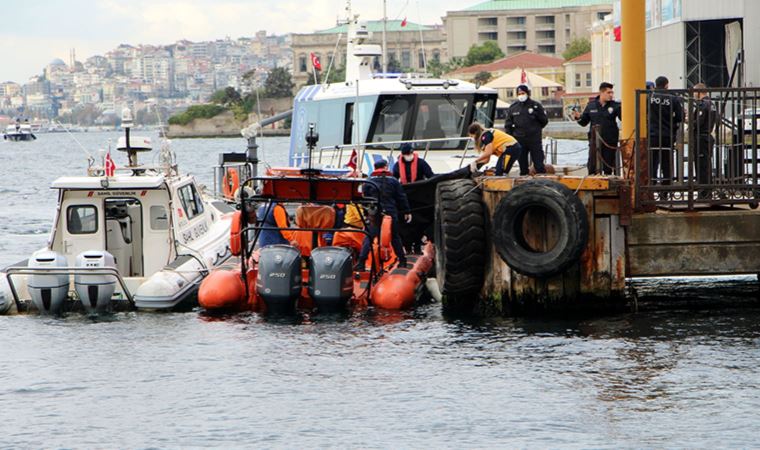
(222, 290)
(460, 243)
(235, 227)
(544, 200)
(386, 235)
(231, 183)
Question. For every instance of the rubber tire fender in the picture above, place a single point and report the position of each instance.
(565, 207)
(460, 240)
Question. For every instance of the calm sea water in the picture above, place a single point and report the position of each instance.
(685, 376)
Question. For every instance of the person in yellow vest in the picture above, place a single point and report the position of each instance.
(497, 143)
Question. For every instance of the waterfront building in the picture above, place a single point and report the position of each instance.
(404, 48)
(543, 65)
(541, 26)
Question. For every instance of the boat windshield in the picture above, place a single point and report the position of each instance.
(429, 116)
(439, 118)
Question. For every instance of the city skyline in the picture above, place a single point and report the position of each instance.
(48, 30)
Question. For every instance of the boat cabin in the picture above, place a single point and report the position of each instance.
(389, 110)
(131, 217)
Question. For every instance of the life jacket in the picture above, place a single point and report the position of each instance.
(501, 140)
(269, 237)
(408, 178)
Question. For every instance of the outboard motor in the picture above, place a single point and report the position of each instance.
(95, 291)
(6, 295)
(331, 283)
(48, 291)
(278, 282)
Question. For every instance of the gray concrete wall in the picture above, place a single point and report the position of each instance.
(697, 243)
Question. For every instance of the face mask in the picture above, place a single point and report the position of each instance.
(408, 158)
(522, 97)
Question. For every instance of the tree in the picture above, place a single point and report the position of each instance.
(227, 96)
(279, 83)
(577, 47)
(485, 53)
(482, 77)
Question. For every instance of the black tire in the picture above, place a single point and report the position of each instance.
(543, 196)
(460, 242)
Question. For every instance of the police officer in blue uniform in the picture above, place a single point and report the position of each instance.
(604, 112)
(526, 119)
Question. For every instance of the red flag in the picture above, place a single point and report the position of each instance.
(352, 163)
(523, 77)
(315, 62)
(618, 34)
(110, 166)
(403, 22)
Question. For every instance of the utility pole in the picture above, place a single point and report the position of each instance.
(385, 27)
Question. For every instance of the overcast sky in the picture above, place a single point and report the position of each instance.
(35, 32)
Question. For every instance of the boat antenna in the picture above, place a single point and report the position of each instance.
(90, 158)
(385, 30)
(422, 40)
(330, 64)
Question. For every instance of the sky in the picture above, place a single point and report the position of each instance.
(38, 31)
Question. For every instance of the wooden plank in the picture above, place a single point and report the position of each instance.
(587, 257)
(606, 206)
(498, 184)
(617, 255)
(602, 261)
(591, 183)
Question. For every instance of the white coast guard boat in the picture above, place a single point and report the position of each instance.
(138, 234)
(375, 112)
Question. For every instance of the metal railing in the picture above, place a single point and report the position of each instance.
(701, 149)
(110, 271)
(388, 146)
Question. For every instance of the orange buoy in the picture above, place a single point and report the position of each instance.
(398, 289)
(235, 226)
(222, 290)
(231, 183)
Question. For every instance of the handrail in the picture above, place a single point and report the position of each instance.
(112, 271)
(363, 146)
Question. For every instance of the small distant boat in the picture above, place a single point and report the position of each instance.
(19, 132)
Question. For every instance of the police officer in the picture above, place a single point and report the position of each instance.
(701, 124)
(604, 112)
(665, 115)
(525, 120)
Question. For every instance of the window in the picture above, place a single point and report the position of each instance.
(441, 117)
(436, 56)
(484, 112)
(406, 58)
(302, 63)
(159, 220)
(577, 80)
(191, 201)
(82, 219)
(544, 91)
(567, 18)
(515, 21)
(601, 15)
(391, 119)
(348, 124)
(422, 59)
(588, 79)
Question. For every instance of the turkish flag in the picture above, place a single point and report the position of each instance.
(618, 34)
(353, 161)
(110, 166)
(403, 22)
(315, 62)
(523, 77)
